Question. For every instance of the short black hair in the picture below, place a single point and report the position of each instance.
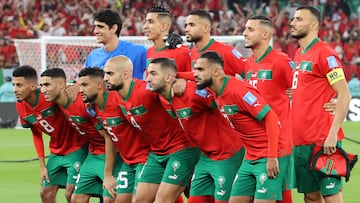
(95, 72)
(54, 73)
(160, 10)
(202, 14)
(110, 18)
(26, 71)
(165, 63)
(314, 11)
(213, 57)
(264, 20)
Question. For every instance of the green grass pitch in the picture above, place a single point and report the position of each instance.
(20, 182)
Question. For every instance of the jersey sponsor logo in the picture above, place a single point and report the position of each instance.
(173, 177)
(265, 74)
(332, 63)
(330, 186)
(138, 110)
(202, 93)
(249, 98)
(306, 66)
(221, 192)
(262, 190)
(236, 53)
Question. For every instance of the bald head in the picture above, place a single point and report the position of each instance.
(118, 70)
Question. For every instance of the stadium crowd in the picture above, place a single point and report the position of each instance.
(37, 18)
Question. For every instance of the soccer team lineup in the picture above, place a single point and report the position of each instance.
(200, 124)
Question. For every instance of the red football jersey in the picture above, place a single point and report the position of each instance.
(246, 109)
(234, 62)
(181, 56)
(86, 124)
(47, 117)
(271, 75)
(133, 147)
(311, 90)
(144, 111)
(206, 126)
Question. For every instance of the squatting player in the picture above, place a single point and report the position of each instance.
(262, 172)
(66, 144)
(132, 146)
(207, 128)
(172, 158)
(91, 176)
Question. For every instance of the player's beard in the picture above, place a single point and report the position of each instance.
(90, 98)
(112, 87)
(205, 84)
(194, 39)
(299, 35)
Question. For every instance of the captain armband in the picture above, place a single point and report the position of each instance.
(335, 75)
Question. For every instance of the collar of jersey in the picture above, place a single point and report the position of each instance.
(102, 107)
(130, 90)
(211, 42)
(37, 97)
(226, 80)
(68, 101)
(161, 49)
(310, 45)
(264, 55)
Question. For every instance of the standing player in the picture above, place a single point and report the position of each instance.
(207, 128)
(317, 78)
(107, 28)
(261, 175)
(89, 183)
(66, 145)
(132, 146)
(157, 26)
(198, 30)
(170, 163)
(270, 72)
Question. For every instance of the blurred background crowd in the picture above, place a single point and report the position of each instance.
(36, 18)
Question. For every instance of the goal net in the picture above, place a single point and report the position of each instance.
(69, 53)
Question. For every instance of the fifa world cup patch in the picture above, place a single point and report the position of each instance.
(236, 53)
(335, 75)
(332, 63)
(249, 98)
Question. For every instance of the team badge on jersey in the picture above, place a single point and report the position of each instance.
(332, 63)
(250, 98)
(236, 53)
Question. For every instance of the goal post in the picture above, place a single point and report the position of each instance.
(70, 52)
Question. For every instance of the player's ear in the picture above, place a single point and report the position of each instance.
(114, 28)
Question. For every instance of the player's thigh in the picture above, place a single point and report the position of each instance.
(127, 178)
(89, 180)
(223, 174)
(73, 162)
(180, 166)
(306, 179)
(57, 174)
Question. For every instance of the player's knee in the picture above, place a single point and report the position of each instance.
(79, 198)
(47, 194)
(314, 197)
